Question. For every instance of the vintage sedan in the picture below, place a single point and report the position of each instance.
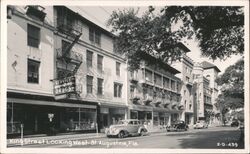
(124, 128)
(178, 126)
(200, 124)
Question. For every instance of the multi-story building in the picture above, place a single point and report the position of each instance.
(102, 74)
(62, 69)
(185, 66)
(30, 62)
(200, 89)
(154, 92)
(211, 73)
(203, 94)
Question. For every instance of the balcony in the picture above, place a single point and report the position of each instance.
(146, 82)
(147, 100)
(166, 101)
(158, 101)
(133, 77)
(36, 11)
(68, 27)
(135, 98)
(181, 107)
(71, 57)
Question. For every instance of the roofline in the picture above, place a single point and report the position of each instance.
(184, 47)
(90, 22)
(166, 66)
(215, 67)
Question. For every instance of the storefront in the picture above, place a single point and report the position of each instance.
(189, 118)
(37, 116)
(142, 113)
(161, 116)
(174, 117)
(111, 115)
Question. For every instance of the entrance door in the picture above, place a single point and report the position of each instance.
(104, 120)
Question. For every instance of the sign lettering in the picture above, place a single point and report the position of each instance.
(64, 86)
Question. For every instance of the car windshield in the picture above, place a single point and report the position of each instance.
(122, 122)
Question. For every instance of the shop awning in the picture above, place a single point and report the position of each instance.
(112, 104)
(140, 107)
(51, 103)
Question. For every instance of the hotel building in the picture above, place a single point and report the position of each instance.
(154, 93)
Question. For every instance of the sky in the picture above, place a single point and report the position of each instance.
(100, 15)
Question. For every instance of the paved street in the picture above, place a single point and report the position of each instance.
(211, 138)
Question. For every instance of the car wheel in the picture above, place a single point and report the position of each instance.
(121, 134)
(143, 132)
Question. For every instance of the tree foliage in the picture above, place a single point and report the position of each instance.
(232, 81)
(219, 29)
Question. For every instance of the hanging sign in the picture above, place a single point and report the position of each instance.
(64, 86)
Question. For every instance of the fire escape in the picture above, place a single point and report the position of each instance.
(67, 25)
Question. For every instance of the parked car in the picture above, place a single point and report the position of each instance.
(178, 126)
(124, 128)
(234, 123)
(200, 124)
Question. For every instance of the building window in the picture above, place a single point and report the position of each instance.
(99, 62)
(148, 76)
(185, 104)
(190, 106)
(187, 78)
(157, 79)
(33, 36)
(94, 36)
(117, 90)
(118, 68)
(89, 58)
(173, 85)
(100, 86)
(132, 91)
(33, 71)
(178, 87)
(185, 92)
(89, 84)
(166, 82)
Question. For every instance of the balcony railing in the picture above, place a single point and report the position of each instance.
(135, 98)
(147, 99)
(72, 57)
(181, 107)
(133, 77)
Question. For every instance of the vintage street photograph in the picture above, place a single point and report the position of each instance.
(154, 76)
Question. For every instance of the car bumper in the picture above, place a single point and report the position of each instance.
(111, 133)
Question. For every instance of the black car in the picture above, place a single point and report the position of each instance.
(234, 123)
(178, 126)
